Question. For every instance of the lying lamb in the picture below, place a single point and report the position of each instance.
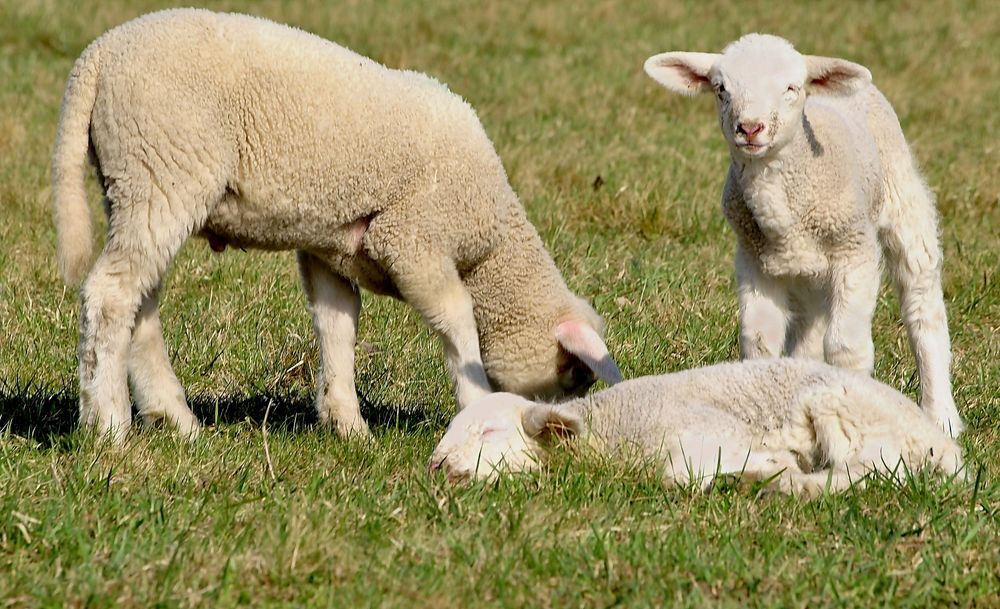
(811, 426)
(821, 183)
(259, 135)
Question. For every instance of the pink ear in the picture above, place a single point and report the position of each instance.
(584, 342)
(682, 72)
(832, 76)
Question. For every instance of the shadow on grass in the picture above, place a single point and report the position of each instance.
(46, 415)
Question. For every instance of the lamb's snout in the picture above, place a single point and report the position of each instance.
(749, 129)
(441, 463)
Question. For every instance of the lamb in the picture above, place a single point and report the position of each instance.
(254, 134)
(821, 184)
(804, 426)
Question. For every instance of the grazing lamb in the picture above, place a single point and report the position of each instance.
(812, 426)
(255, 134)
(821, 183)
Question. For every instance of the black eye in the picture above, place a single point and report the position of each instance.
(721, 89)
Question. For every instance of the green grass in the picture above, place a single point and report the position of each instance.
(287, 514)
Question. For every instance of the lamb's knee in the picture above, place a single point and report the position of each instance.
(848, 344)
(850, 356)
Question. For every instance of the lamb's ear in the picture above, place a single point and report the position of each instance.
(546, 421)
(832, 76)
(682, 72)
(586, 344)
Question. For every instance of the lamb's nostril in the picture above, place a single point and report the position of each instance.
(750, 129)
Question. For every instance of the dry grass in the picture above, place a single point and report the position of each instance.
(560, 89)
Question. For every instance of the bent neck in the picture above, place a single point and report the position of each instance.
(512, 285)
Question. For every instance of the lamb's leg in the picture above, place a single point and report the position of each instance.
(431, 284)
(805, 336)
(335, 304)
(853, 295)
(158, 394)
(914, 259)
(764, 313)
(818, 483)
(132, 264)
(854, 429)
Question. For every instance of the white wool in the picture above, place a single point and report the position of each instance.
(255, 134)
(811, 426)
(821, 185)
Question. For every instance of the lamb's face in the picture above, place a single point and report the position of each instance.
(760, 84)
(502, 432)
(550, 361)
(485, 438)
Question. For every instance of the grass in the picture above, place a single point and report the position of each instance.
(286, 514)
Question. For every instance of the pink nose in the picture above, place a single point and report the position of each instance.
(750, 129)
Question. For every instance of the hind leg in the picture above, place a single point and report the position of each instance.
(914, 255)
(146, 229)
(111, 296)
(158, 394)
(335, 304)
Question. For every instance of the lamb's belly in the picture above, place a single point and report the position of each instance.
(276, 226)
(339, 243)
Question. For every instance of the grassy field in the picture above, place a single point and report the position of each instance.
(622, 181)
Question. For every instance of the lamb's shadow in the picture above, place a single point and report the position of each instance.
(295, 412)
(46, 415)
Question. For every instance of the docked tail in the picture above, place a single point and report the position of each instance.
(69, 198)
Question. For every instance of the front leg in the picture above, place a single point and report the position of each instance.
(433, 287)
(335, 304)
(808, 328)
(764, 313)
(853, 295)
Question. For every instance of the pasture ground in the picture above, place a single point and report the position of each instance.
(623, 182)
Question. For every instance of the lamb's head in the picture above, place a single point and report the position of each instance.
(760, 83)
(502, 432)
(550, 355)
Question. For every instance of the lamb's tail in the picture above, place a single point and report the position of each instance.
(69, 198)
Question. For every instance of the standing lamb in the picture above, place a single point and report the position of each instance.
(256, 134)
(811, 426)
(821, 183)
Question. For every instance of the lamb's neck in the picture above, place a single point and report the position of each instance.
(611, 419)
(762, 186)
(518, 266)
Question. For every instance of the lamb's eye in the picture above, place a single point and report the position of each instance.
(791, 93)
(720, 90)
